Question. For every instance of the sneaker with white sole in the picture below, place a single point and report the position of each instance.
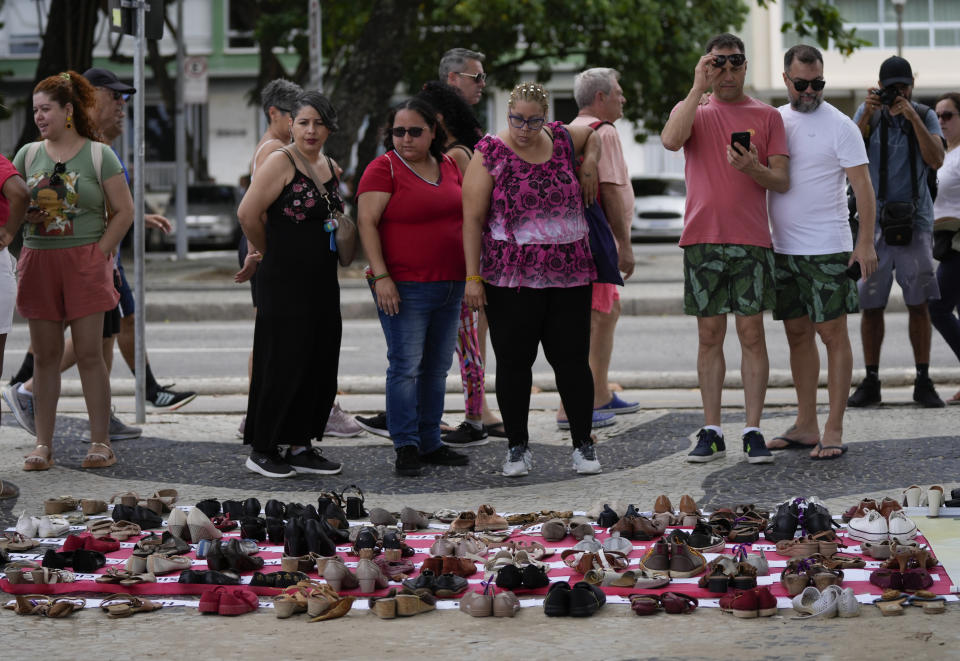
(375, 424)
(756, 448)
(341, 424)
(269, 465)
(21, 406)
(618, 406)
(311, 460)
(710, 446)
(164, 398)
(519, 461)
(600, 419)
(118, 431)
(585, 460)
(466, 435)
(871, 527)
(900, 526)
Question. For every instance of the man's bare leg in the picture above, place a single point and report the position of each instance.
(754, 365)
(839, 375)
(711, 366)
(805, 368)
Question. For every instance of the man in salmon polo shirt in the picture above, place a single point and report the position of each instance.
(727, 256)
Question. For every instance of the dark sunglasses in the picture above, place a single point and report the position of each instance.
(58, 169)
(533, 123)
(737, 60)
(414, 131)
(801, 85)
(946, 116)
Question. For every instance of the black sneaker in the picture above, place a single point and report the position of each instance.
(311, 461)
(269, 465)
(710, 446)
(756, 448)
(866, 394)
(164, 398)
(465, 435)
(926, 395)
(408, 461)
(444, 456)
(375, 424)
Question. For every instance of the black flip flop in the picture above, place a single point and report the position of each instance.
(791, 444)
(496, 429)
(821, 448)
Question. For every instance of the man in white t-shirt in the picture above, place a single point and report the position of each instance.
(814, 249)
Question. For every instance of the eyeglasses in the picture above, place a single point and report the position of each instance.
(737, 60)
(58, 169)
(801, 85)
(414, 131)
(946, 116)
(518, 122)
(116, 95)
(477, 77)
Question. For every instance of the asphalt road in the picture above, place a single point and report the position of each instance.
(196, 349)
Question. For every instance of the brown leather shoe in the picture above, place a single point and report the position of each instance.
(488, 519)
(688, 505)
(464, 521)
(645, 529)
(887, 506)
(860, 509)
(662, 504)
(460, 566)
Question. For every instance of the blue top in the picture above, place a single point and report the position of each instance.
(899, 188)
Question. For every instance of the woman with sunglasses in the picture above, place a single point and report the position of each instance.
(81, 208)
(463, 131)
(410, 220)
(286, 213)
(529, 262)
(946, 211)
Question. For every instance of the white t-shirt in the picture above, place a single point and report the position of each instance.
(812, 218)
(947, 203)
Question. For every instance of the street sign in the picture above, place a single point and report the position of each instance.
(123, 18)
(195, 77)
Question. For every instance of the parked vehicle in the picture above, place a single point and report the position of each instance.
(211, 218)
(659, 203)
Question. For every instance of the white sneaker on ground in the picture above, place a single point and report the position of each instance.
(585, 460)
(518, 463)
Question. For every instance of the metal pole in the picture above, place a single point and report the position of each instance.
(181, 129)
(316, 44)
(140, 362)
(898, 6)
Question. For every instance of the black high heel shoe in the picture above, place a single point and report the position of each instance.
(251, 507)
(317, 540)
(239, 560)
(210, 507)
(294, 542)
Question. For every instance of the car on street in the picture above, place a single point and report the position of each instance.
(211, 218)
(659, 203)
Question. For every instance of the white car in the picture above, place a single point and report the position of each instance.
(659, 203)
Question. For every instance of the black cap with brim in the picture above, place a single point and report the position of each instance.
(896, 70)
(102, 78)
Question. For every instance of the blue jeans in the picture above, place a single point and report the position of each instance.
(421, 340)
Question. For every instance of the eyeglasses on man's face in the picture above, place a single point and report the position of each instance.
(477, 77)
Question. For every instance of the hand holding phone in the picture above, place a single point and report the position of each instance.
(741, 138)
(854, 272)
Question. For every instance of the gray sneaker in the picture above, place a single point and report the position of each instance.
(518, 463)
(117, 430)
(341, 424)
(21, 406)
(585, 460)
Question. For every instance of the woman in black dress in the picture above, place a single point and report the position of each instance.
(296, 344)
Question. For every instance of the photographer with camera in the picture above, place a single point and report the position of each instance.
(904, 143)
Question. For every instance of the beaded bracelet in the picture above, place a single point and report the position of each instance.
(378, 277)
(476, 278)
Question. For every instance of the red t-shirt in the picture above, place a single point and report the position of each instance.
(725, 205)
(6, 171)
(421, 229)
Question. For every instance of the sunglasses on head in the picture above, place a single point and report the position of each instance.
(477, 77)
(58, 169)
(946, 115)
(801, 85)
(414, 131)
(737, 60)
(532, 123)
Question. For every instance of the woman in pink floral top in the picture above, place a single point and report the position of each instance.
(528, 261)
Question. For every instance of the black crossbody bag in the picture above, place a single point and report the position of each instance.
(897, 218)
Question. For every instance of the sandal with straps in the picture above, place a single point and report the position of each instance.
(97, 459)
(36, 462)
(125, 605)
(39, 604)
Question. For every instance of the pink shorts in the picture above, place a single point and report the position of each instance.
(604, 294)
(63, 284)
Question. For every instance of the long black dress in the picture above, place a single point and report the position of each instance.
(296, 343)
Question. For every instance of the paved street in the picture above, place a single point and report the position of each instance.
(196, 452)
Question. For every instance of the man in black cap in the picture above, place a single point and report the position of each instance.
(108, 116)
(904, 142)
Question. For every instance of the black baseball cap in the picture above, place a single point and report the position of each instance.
(102, 78)
(895, 70)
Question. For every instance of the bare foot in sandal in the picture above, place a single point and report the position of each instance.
(795, 438)
(100, 456)
(40, 459)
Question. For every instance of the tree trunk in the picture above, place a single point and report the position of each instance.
(67, 45)
(367, 81)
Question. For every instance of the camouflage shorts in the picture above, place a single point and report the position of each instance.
(721, 277)
(814, 286)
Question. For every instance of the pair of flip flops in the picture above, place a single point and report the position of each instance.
(792, 444)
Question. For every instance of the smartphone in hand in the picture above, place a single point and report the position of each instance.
(741, 138)
(854, 271)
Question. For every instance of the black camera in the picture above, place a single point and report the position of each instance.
(888, 95)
